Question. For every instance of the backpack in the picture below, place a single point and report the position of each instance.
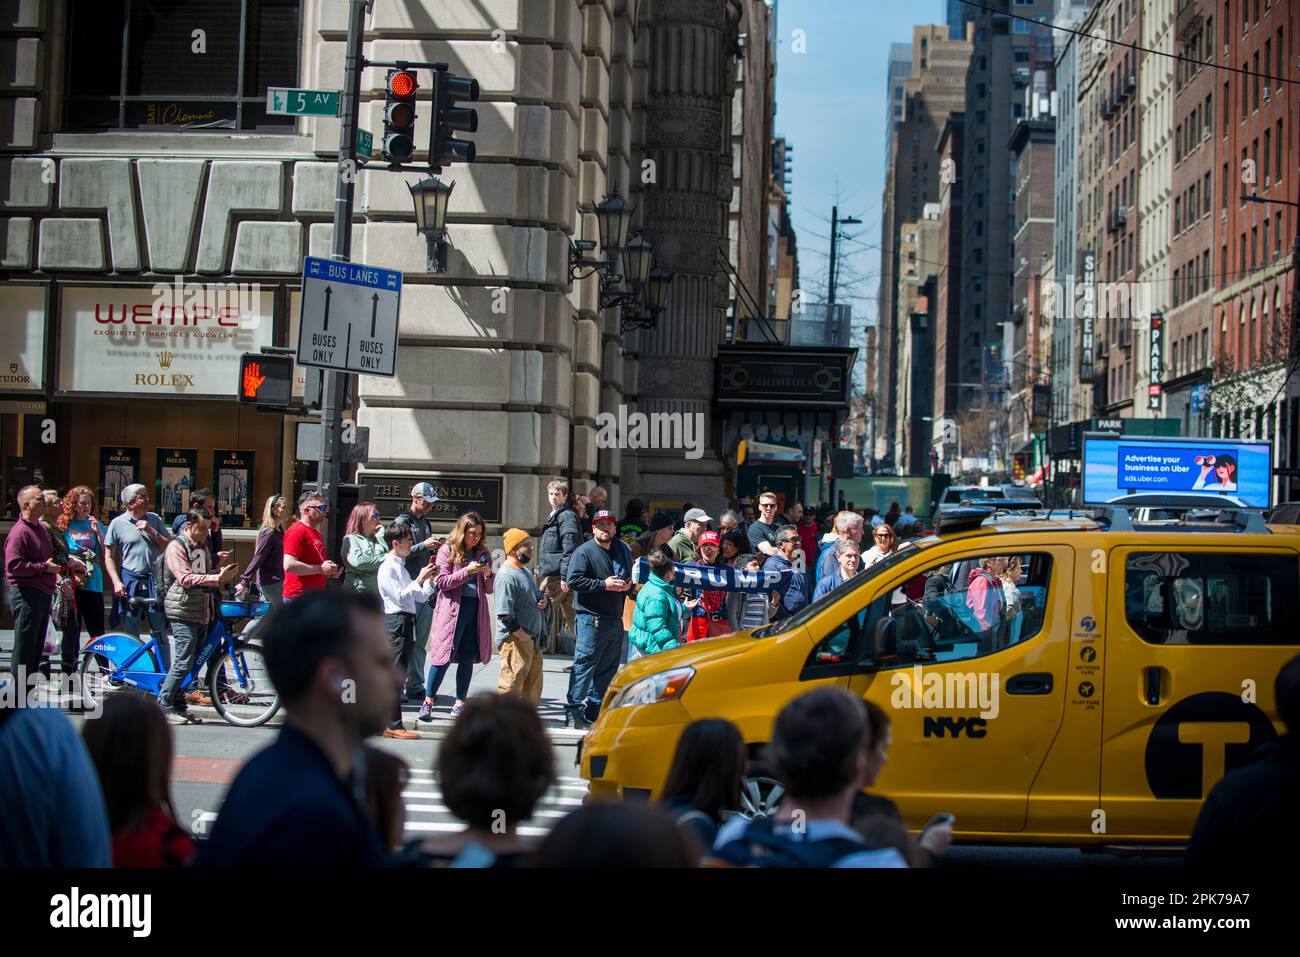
(761, 846)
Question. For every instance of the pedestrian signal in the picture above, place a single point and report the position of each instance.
(265, 379)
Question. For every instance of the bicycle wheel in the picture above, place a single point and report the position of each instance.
(240, 687)
(93, 674)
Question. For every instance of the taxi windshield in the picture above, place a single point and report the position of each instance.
(904, 551)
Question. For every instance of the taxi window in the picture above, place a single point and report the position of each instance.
(967, 608)
(1206, 598)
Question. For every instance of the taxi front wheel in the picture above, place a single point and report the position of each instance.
(760, 793)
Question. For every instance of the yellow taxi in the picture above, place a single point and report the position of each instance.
(1058, 681)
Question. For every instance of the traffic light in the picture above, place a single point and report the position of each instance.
(265, 380)
(399, 116)
(448, 118)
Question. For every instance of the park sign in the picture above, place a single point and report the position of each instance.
(288, 101)
(348, 319)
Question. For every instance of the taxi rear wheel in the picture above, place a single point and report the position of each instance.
(760, 793)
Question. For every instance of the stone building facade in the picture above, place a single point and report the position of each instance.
(109, 190)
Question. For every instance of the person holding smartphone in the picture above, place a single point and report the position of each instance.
(462, 628)
(600, 573)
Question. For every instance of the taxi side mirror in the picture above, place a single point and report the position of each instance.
(884, 639)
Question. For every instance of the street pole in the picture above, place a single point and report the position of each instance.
(329, 468)
(830, 286)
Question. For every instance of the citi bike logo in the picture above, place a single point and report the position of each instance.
(953, 691)
(656, 430)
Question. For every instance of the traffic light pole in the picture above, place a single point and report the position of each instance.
(329, 468)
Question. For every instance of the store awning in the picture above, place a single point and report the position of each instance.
(1025, 448)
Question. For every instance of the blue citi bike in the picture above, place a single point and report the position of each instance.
(237, 681)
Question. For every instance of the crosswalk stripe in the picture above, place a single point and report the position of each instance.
(448, 827)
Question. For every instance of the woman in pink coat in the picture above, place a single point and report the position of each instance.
(462, 627)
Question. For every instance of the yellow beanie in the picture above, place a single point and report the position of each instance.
(513, 538)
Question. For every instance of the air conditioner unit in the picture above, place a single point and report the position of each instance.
(1130, 84)
(1121, 215)
(1207, 134)
(1266, 94)
(1223, 214)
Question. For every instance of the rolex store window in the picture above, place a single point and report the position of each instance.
(149, 395)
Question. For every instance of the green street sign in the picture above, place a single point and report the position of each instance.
(365, 144)
(286, 101)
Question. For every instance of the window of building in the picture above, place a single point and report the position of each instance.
(130, 68)
(1206, 194)
(1256, 80)
(1277, 145)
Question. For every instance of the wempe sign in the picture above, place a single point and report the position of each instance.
(117, 339)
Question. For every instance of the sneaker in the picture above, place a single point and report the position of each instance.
(198, 698)
(182, 716)
(576, 722)
(426, 712)
(457, 708)
(401, 734)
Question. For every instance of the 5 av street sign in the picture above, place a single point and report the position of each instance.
(349, 317)
(287, 101)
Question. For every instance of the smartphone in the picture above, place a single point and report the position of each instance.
(433, 559)
(939, 820)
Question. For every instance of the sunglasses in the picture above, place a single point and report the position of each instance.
(767, 504)
(884, 534)
(320, 508)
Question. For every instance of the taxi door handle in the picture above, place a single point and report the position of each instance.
(1153, 685)
(1035, 682)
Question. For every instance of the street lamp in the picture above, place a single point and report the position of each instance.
(430, 197)
(626, 271)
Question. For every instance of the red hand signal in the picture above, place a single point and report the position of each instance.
(253, 379)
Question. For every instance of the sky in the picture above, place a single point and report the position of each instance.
(831, 104)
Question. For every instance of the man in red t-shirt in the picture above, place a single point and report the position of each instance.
(305, 564)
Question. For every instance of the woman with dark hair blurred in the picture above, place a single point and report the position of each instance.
(494, 766)
(364, 548)
(386, 777)
(131, 747)
(612, 835)
(705, 778)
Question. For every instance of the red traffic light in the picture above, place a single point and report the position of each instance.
(402, 83)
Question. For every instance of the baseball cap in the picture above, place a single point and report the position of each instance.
(696, 515)
(425, 491)
(711, 538)
(604, 515)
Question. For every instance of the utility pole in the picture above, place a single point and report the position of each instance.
(835, 235)
(329, 468)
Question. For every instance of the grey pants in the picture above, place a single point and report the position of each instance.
(419, 651)
(187, 639)
(272, 594)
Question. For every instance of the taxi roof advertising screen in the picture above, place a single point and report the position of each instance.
(1118, 466)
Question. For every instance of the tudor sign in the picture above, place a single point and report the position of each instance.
(160, 340)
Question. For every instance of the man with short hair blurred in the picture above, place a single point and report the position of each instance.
(296, 803)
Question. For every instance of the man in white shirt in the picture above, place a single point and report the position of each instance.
(400, 596)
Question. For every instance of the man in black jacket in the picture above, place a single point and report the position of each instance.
(561, 535)
(1250, 814)
(425, 549)
(600, 573)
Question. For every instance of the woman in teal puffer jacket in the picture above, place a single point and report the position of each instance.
(657, 619)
